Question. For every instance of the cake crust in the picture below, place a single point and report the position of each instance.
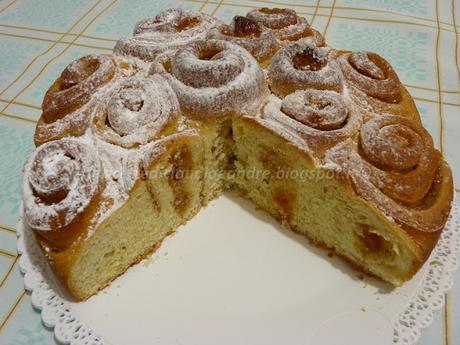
(131, 145)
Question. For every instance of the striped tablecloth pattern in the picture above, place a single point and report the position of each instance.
(38, 38)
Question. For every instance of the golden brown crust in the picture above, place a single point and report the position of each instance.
(61, 180)
(301, 65)
(419, 243)
(139, 110)
(286, 25)
(213, 78)
(374, 85)
(321, 118)
(169, 30)
(252, 36)
(63, 247)
(71, 100)
(340, 110)
(63, 257)
(395, 166)
(75, 125)
(76, 84)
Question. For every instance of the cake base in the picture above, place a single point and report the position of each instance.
(279, 177)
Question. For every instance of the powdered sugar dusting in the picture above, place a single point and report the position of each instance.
(371, 74)
(136, 112)
(285, 77)
(126, 111)
(60, 179)
(361, 61)
(290, 112)
(76, 122)
(76, 84)
(170, 29)
(379, 175)
(316, 108)
(261, 46)
(232, 82)
(285, 24)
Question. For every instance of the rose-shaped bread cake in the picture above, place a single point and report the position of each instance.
(329, 142)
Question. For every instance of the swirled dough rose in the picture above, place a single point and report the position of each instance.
(139, 110)
(131, 145)
(320, 118)
(374, 84)
(398, 169)
(301, 66)
(62, 114)
(169, 30)
(70, 102)
(255, 38)
(61, 182)
(286, 25)
(213, 78)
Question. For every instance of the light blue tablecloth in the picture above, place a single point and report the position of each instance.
(38, 38)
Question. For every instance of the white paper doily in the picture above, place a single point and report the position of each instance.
(56, 310)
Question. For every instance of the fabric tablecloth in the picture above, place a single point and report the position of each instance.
(38, 38)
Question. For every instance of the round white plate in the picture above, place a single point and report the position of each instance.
(234, 276)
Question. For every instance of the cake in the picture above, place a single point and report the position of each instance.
(133, 144)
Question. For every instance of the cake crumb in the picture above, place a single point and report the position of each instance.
(148, 261)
